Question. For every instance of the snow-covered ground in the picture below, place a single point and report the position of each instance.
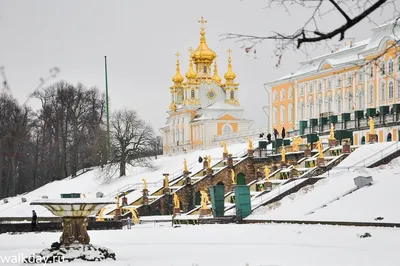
(364, 205)
(230, 245)
(90, 182)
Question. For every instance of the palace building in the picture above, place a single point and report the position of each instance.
(344, 87)
(202, 106)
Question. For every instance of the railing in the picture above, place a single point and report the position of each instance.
(243, 134)
(381, 155)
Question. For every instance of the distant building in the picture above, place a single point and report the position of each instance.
(202, 106)
(359, 79)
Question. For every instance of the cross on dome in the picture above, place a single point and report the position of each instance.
(202, 22)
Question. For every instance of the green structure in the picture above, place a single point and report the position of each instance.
(243, 203)
(333, 119)
(303, 126)
(70, 195)
(384, 110)
(217, 194)
(358, 114)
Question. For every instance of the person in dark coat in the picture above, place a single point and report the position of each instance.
(200, 159)
(276, 134)
(269, 137)
(34, 221)
(283, 132)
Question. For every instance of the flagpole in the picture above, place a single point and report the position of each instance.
(107, 113)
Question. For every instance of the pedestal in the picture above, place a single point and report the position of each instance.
(230, 162)
(188, 181)
(268, 186)
(294, 173)
(283, 164)
(204, 212)
(205, 164)
(117, 214)
(225, 155)
(177, 210)
(209, 172)
(250, 153)
(332, 142)
(74, 231)
(145, 200)
(372, 138)
(167, 191)
(307, 153)
(320, 162)
(124, 201)
(346, 148)
(145, 192)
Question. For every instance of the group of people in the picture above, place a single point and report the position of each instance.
(276, 134)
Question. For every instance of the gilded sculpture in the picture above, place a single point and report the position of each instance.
(204, 199)
(296, 141)
(250, 148)
(371, 124)
(223, 143)
(144, 183)
(185, 167)
(283, 154)
(176, 202)
(266, 172)
(166, 181)
(233, 176)
(208, 158)
(319, 148)
(332, 132)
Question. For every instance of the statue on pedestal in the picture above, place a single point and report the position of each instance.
(233, 176)
(332, 132)
(283, 153)
(166, 181)
(296, 141)
(176, 202)
(319, 148)
(208, 158)
(204, 199)
(266, 173)
(117, 198)
(223, 143)
(144, 183)
(371, 124)
(250, 148)
(185, 168)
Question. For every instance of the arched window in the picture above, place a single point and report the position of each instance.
(329, 83)
(371, 94)
(282, 94)
(398, 64)
(310, 108)
(282, 114)
(319, 105)
(320, 86)
(360, 76)
(275, 115)
(349, 102)
(339, 81)
(349, 79)
(371, 71)
(290, 112)
(390, 66)
(328, 102)
(338, 103)
(363, 140)
(389, 137)
(290, 93)
(275, 96)
(360, 99)
(383, 91)
(310, 87)
(382, 68)
(301, 90)
(192, 94)
(227, 129)
(398, 88)
(301, 110)
(391, 90)
(232, 94)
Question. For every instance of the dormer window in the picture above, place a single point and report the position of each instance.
(232, 94)
(192, 94)
(205, 69)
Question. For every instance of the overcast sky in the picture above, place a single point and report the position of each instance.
(140, 38)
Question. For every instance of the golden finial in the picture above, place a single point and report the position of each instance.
(229, 75)
(191, 74)
(177, 79)
(202, 22)
(216, 78)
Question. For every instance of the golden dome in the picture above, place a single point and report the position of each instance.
(178, 78)
(229, 75)
(216, 78)
(191, 74)
(203, 54)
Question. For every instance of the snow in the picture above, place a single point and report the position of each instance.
(71, 201)
(231, 245)
(90, 183)
(362, 205)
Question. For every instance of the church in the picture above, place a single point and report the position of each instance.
(202, 106)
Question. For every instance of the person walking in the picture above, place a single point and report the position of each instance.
(129, 222)
(34, 221)
(283, 132)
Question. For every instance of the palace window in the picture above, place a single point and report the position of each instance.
(398, 89)
(391, 90)
(349, 79)
(349, 100)
(275, 115)
(301, 111)
(192, 94)
(205, 69)
(301, 90)
(339, 81)
(329, 83)
(290, 112)
(360, 99)
(371, 71)
(319, 105)
(227, 129)
(282, 94)
(310, 87)
(320, 86)
(275, 96)
(390, 66)
(310, 108)
(328, 102)
(383, 91)
(371, 94)
(232, 94)
(398, 64)
(338, 103)
(282, 114)
(360, 76)
(290, 93)
(382, 68)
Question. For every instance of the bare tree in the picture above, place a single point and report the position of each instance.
(311, 32)
(131, 140)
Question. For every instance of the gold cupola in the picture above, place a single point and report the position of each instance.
(178, 78)
(216, 77)
(203, 54)
(229, 75)
(191, 74)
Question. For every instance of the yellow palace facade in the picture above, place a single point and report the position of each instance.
(358, 80)
(202, 106)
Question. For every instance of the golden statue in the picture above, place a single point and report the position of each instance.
(223, 143)
(266, 172)
(166, 182)
(177, 204)
(135, 217)
(185, 168)
(100, 218)
(319, 148)
(371, 124)
(208, 161)
(204, 199)
(283, 153)
(250, 148)
(296, 141)
(332, 132)
(144, 183)
(233, 176)
(117, 198)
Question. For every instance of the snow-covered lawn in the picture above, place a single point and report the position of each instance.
(230, 245)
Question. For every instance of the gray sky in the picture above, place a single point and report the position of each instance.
(140, 39)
